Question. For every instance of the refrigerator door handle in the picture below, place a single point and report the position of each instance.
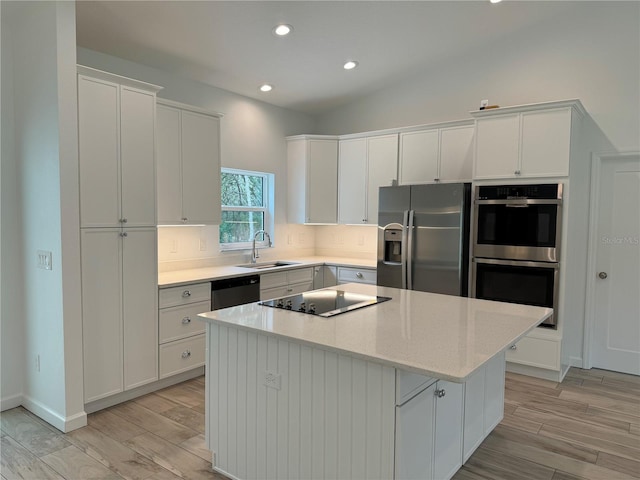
(403, 257)
(409, 250)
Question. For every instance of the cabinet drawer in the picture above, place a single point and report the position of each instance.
(536, 352)
(410, 384)
(357, 275)
(182, 322)
(182, 355)
(174, 296)
(300, 275)
(276, 292)
(296, 288)
(270, 280)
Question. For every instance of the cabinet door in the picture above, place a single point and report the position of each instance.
(418, 157)
(474, 431)
(137, 153)
(330, 276)
(297, 180)
(414, 436)
(494, 393)
(456, 153)
(497, 146)
(168, 160)
(140, 307)
(448, 431)
(98, 153)
(101, 312)
(200, 168)
(382, 170)
(322, 181)
(546, 139)
(352, 179)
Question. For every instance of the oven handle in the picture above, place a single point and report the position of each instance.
(517, 263)
(520, 201)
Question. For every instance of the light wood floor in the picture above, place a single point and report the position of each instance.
(586, 427)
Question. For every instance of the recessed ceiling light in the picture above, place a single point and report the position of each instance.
(495, 1)
(282, 30)
(266, 88)
(350, 65)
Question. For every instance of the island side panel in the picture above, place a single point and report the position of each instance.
(324, 407)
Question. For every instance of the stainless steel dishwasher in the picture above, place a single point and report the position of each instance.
(234, 291)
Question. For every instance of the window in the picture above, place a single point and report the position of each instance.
(247, 208)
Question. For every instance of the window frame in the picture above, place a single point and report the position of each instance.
(268, 190)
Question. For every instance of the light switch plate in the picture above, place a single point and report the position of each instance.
(44, 260)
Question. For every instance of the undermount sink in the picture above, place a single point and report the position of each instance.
(260, 266)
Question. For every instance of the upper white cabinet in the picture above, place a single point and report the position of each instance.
(188, 158)
(312, 168)
(364, 165)
(436, 155)
(116, 126)
(528, 141)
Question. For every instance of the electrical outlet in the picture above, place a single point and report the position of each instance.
(272, 380)
(203, 244)
(173, 246)
(44, 260)
(360, 239)
(289, 239)
(37, 363)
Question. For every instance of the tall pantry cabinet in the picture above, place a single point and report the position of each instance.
(116, 123)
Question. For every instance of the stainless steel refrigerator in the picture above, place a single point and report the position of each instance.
(423, 237)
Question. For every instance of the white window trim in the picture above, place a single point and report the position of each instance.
(267, 210)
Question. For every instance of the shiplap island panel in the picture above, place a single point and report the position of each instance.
(292, 395)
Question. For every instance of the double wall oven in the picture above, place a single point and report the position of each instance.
(516, 246)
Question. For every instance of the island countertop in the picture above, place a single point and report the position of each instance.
(441, 336)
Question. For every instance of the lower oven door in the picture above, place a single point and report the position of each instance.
(528, 283)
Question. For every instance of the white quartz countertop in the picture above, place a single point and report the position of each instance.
(182, 277)
(442, 336)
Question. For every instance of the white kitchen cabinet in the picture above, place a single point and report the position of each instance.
(119, 309)
(437, 409)
(436, 154)
(356, 275)
(364, 165)
(288, 282)
(312, 169)
(181, 336)
(525, 142)
(116, 135)
(188, 152)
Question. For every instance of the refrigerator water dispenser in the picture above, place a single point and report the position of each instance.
(393, 245)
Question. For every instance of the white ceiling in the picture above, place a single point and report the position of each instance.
(229, 44)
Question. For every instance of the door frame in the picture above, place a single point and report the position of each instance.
(597, 160)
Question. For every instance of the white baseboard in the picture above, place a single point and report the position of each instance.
(62, 423)
(10, 402)
(545, 374)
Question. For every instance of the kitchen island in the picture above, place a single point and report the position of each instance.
(407, 388)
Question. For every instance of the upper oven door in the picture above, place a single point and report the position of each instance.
(518, 229)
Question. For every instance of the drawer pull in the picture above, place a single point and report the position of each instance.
(186, 320)
(440, 392)
(186, 354)
(186, 293)
(513, 347)
(359, 275)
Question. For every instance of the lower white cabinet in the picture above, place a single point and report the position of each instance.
(290, 282)
(182, 335)
(119, 310)
(429, 433)
(356, 275)
(536, 352)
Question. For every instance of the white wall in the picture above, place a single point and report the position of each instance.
(45, 149)
(252, 138)
(593, 56)
(11, 279)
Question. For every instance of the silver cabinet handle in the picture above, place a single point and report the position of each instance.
(123, 234)
(440, 392)
(186, 320)
(186, 354)
(603, 275)
(517, 172)
(186, 293)
(513, 347)
(123, 220)
(359, 275)
(436, 180)
(184, 219)
(289, 289)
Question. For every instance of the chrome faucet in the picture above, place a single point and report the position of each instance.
(254, 251)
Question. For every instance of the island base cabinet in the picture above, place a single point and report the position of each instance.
(429, 433)
(316, 413)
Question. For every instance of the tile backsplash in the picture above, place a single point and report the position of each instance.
(194, 247)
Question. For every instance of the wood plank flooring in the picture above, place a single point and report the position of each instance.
(587, 427)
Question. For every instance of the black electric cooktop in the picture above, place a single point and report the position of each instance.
(324, 303)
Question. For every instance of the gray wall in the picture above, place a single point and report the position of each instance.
(593, 55)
